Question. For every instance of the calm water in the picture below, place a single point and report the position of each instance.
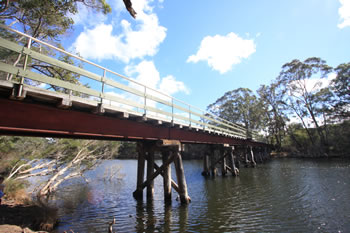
(284, 195)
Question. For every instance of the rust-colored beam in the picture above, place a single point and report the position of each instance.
(29, 119)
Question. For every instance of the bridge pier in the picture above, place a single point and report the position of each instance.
(234, 169)
(226, 158)
(213, 170)
(223, 161)
(138, 194)
(246, 160)
(252, 159)
(206, 171)
(170, 151)
(150, 172)
(167, 176)
(260, 151)
(180, 175)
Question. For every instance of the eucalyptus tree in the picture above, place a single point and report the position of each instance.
(46, 20)
(301, 94)
(275, 117)
(239, 106)
(341, 90)
(49, 21)
(56, 159)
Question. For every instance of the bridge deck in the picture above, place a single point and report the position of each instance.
(102, 104)
(43, 113)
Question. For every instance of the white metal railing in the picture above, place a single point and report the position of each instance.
(132, 97)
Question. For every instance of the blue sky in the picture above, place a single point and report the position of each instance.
(199, 49)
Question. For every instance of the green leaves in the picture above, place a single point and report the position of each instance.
(341, 90)
(239, 106)
(298, 94)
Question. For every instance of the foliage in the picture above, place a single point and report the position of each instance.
(296, 111)
(275, 118)
(48, 21)
(14, 189)
(14, 149)
(301, 98)
(127, 150)
(341, 90)
(239, 106)
(59, 159)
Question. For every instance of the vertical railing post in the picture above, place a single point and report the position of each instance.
(103, 85)
(189, 114)
(20, 88)
(203, 114)
(145, 101)
(172, 110)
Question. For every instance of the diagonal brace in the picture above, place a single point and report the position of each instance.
(217, 161)
(173, 183)
(172, 157)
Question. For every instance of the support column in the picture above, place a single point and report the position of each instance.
(166, 176)
(138, 194)
(212, 161)
(246, 156)
(180, 174)
(252, 157)
(223, 162)
(234, 169)
(205, 165)
(150, 171)
(266, 155)
(260, 155)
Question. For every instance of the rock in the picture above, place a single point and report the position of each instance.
(10, 228)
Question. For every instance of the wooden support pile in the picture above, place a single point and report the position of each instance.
(226, 159)
(170, 151)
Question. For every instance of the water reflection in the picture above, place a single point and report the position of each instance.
(173, 218)
(280, 196)
(145, 218)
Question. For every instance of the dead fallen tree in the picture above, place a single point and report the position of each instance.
(68, 160)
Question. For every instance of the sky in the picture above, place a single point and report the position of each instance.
(199, 49)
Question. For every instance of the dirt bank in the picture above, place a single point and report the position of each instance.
(29, 216)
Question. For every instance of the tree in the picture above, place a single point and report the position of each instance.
(300, 94)
(45, 20)
(239, 106)
(275, 118)
(61, 160)
(341, 89)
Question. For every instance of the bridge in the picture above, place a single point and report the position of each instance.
(36, 99)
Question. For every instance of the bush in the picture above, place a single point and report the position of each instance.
(16, 190)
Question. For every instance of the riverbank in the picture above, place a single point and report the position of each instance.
(309, 156)
(20, 216)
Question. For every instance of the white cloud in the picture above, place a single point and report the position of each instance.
(344, 13)
(312, 85)
(147, 74)
(170, 86)
(133, 41)
(85, 15)
(222, 52)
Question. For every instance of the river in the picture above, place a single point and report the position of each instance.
(283, 195)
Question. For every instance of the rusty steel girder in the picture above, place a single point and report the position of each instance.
(32, 119)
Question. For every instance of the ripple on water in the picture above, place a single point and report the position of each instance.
(279, 196)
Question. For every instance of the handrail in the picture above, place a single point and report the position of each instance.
(215, 123)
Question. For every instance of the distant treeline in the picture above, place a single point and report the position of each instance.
(305, 111)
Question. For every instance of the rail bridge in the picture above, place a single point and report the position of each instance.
(36, 100)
